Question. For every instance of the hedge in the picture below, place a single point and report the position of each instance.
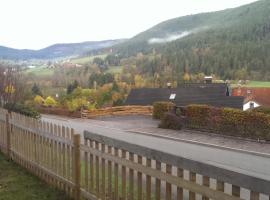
(226, 121)
(171, 121)
(262, 109)
(23, 109)
(160, 108)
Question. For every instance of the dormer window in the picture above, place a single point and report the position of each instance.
(172, 96)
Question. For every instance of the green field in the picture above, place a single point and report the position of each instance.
(40, 71)
(87, 59)
(254, 84)
(115, 69)
(17, 184)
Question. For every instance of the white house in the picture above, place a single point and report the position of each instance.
(250, 105)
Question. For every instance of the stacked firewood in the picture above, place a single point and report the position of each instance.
(118, 111)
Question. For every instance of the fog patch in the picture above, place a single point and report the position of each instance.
(169, 38)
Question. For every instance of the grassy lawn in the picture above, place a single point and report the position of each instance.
(40, 71)
(258, 84)
(115, 69)
(86, 59)
(17, 184)
(255, 84)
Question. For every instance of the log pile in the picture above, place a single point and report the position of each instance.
(118, 111)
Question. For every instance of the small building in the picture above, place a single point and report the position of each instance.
(214, 94)
(250, 104)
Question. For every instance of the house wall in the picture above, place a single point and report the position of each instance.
(247, 105)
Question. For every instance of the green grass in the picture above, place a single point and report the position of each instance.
(86, 59)
(255, 84)
(40, 71)
(17, 184)
(258, 84)
(115, 69)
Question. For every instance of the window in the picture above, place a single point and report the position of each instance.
(251, 105)
(172, 96)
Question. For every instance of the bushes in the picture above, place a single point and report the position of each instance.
(23, 109)
(225, 121)
(39, 100)
(160, 108)
(262, 109)
(171, 121)
(229, 121)
(50, 102)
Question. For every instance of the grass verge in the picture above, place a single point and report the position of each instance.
(17, 184)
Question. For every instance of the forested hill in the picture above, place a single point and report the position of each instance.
(56, 50)
(234, 43)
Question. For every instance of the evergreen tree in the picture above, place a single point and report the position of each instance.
(36, 90)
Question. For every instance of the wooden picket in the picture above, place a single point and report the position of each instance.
(47, 150)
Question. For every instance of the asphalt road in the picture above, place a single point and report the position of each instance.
(255, 164)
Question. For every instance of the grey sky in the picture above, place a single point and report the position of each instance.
(38, 23)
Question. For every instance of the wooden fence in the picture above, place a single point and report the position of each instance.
(118, 110)
(100, 167)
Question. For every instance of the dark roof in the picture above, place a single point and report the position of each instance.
(210, 94)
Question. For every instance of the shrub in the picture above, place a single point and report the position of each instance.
(203, 116)
(171, 121)
(23, 109)
(262, 109)
(160, 108)
(78, 103)
(39, 100)
(229, 121)
(50, 102)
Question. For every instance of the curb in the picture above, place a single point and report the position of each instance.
(266, 155)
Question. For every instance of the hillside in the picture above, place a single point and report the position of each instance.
(228, 42)
(55, 51)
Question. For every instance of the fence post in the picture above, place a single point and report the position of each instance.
(8, 136)
(77, 167)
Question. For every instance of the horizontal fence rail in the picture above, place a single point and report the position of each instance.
(100, 167)
(126, 171)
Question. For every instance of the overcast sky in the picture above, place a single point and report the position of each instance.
(35, 24)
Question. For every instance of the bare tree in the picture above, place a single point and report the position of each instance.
(11, 85)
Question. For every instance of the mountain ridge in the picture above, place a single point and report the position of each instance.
(56, 50)
(225, 43)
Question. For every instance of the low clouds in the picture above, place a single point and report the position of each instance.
(169, 38)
